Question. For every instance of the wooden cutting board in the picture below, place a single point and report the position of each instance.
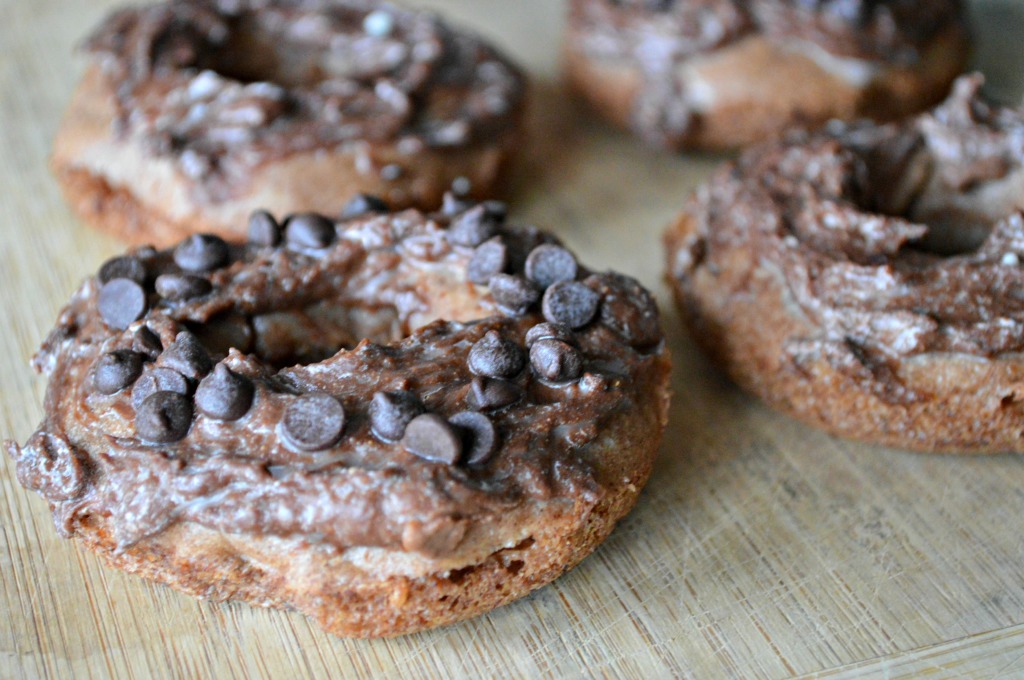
(761, 548)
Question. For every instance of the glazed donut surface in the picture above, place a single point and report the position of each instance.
(866, 278)
(193, 114)
(334, 417)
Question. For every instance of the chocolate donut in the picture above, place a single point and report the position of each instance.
(718, 74)
(195, 113)
(333, 417)
(830, 275)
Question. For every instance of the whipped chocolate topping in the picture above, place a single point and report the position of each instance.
(864, 225)
(225, 85)
(312, 392)
(658, 36)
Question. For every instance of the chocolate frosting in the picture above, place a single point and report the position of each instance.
(225, 85)
(274, 318)
(657, 36)
(863, 29)
(850, 220)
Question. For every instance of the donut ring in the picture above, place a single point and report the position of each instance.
(195, 113)
(719, 74)
(203, 429)
(829, 275)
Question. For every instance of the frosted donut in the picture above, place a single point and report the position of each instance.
(390, 422)
(194, 113)
(719, 74)
(866, 279)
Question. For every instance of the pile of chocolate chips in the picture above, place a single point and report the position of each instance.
(168, 385)
(546, 275)
(163, 381)
(521, 267)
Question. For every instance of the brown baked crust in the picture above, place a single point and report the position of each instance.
(113, 210)
(892, 345)
(217, 567)
(769, 88)
(164, 214)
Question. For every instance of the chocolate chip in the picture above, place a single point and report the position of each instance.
(264, 229)
(453, 204)
(224, 394)
(489, 258)
(627, 308)
(495, 357)
(163, 417)
(121, 301)
(570, 303)
(548, 264)
(479, 438)
(363, 204)
(430, 437)
(313, 422)
(309, 230)
(514, 294)
(555, 360)
(124, 267)
(176, 287)
(147, 343)
(158, 380)
(489, 393)
(187, 356)
(473, 227)
(496, 209)
(116, 370)
(549, 330)
(461, 186)
(521, 240)
(390, 412)
(201, 253)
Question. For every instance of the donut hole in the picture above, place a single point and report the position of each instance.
(318, 332)
(959, 215)
(300, 337)
(301, 51)
(959, 222)
(224, 333)
(949, 237)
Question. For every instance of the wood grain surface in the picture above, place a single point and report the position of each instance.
(760, 549)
